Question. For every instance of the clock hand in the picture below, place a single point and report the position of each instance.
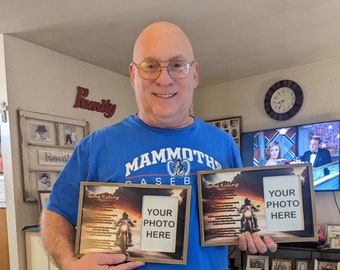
(281, 103)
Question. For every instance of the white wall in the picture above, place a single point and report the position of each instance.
(44, 81)
(320, 83)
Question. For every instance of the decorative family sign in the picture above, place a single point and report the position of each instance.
(104, 106)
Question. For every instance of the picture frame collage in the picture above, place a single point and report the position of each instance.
(46, 143)
(263, 262)
(231, 125)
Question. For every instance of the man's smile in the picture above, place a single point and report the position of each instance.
(165, 96)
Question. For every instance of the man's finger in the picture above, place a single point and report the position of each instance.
(242, 243)
(250, 243)
(272, 246)
(127, 266)
(260, 245)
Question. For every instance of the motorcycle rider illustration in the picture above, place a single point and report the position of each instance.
(124, 225)
(249, 219)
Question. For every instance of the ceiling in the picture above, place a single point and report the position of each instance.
(232, 39)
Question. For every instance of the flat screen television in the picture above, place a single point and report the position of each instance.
(293, 142)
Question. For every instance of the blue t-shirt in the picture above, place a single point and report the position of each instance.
(133, 152)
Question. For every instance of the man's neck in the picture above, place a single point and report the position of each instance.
(186, 121)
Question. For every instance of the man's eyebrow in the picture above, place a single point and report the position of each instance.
(177, 57)
(149, 59)
(152, 59)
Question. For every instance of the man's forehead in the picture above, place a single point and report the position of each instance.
(162, 51)
(162, 41)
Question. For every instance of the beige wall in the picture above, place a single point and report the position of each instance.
(40, 80)
(320, 83)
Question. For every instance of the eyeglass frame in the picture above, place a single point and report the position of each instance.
(161, 67)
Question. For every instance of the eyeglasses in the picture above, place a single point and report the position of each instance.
(177, 69)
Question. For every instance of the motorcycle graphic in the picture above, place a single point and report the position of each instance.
(248, 219)
(123, 236)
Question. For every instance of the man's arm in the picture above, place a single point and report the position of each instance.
(58, 236)
(328, 158)
(304, 157)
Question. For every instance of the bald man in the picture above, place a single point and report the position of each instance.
(140, 150)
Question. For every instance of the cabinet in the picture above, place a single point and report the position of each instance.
(35, 253)
(300, 252)
(4, 258)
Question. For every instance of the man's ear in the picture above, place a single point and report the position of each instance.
(195, 70)
(132, 75)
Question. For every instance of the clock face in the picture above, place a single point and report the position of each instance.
(283, 100)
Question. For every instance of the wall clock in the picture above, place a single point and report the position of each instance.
(283, 100)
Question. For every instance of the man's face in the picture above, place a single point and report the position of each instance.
(164, 102)
(313, 145)
(42, 135)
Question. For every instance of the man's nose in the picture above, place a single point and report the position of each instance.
(164, 74)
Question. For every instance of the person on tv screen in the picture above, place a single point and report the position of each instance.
(316, 155)
(272, 154)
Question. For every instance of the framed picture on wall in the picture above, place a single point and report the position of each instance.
(257, 262)
(335, 242)
(42, 199)
(232, 125)
(278, 264)
(46, 143)
(301, 264)
(41, 132)
(70, 134)
(325, 264)
(332, 231)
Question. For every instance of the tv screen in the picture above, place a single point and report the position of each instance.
(316, 143)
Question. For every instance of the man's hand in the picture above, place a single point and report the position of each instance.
(256, 244)
(102, 261)
(58, 236)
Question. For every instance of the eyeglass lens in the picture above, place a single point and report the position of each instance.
(178, 69)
